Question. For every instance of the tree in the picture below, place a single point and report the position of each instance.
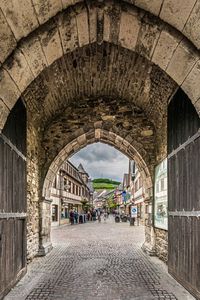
(85, 205)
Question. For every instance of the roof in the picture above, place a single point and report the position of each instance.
(81, 169)
(120, 187)
(90, 185)
(126, 182)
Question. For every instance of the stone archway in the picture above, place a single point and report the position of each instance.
(98, 135)
(96, 65)
(93, 136)
(105, 22)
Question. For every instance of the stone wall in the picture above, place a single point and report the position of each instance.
(32, 193)
(161, 244)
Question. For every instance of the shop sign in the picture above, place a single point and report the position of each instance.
(134, 211)
(160, 196)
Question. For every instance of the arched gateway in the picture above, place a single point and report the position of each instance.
(78, 72)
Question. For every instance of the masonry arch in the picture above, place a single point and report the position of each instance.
(112, 60)
(97, 135)
(30, 15)
(73, 29)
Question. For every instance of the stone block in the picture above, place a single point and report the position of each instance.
(67, 3)
(106, 28)
(9, 92)
(83, 28)
(97, 134)
(147, 37)
(20, 15)
(46, 9)
(153, 6)
(165, 48)
(111, 22)
(182, 62)
(19, 70)
(192, 27)
(33, 52)
(7, 39)
(197, 106)
(68, 31)
(4, 112)
(81, 139)
(191, 84)
(51, 43)
(129, 29)
(93, 24)
(176, 13)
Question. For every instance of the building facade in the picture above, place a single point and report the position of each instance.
(139, 197)
(69, 190)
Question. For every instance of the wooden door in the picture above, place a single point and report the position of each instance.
(184, 193)
(13, 199)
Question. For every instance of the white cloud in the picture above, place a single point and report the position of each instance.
(101, 160)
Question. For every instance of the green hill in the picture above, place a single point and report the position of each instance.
(104, 183)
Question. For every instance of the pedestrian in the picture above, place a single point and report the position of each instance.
(99, 216)
(105, 216)
(89, 216)
(76, 216)
(71, 217)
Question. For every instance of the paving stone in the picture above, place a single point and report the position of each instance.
(97, 261)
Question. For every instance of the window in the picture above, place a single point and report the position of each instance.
(54, 213)
(162, 184)
(69, 186)
(65, 183)
(157, 187)
(54, 183)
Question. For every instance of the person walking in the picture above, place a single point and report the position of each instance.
(71, 217)
(99, 216)
(76, 216)
(105, 216)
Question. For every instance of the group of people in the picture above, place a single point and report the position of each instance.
(76, 218)
(105, 215)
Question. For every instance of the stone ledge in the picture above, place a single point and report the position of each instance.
(45, 249)
(149, 249)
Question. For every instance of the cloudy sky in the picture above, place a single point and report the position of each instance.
(101, 160)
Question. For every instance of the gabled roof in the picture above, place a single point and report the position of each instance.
(81, 169)
(90, 185)
(126, 182)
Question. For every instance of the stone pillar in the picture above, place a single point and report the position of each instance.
(45, 244)
(150, 238)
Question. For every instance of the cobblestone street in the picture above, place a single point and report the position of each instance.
(97, 261)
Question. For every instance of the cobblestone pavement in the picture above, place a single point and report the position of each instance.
(97, 261)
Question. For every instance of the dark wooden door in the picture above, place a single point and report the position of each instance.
(184, 193)
(13, 199)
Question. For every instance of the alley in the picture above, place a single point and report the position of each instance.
(98, 261)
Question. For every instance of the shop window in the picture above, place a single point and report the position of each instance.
(157, 187)
(162, 184)
(64, 212)
(54, 213)
(54, 183)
